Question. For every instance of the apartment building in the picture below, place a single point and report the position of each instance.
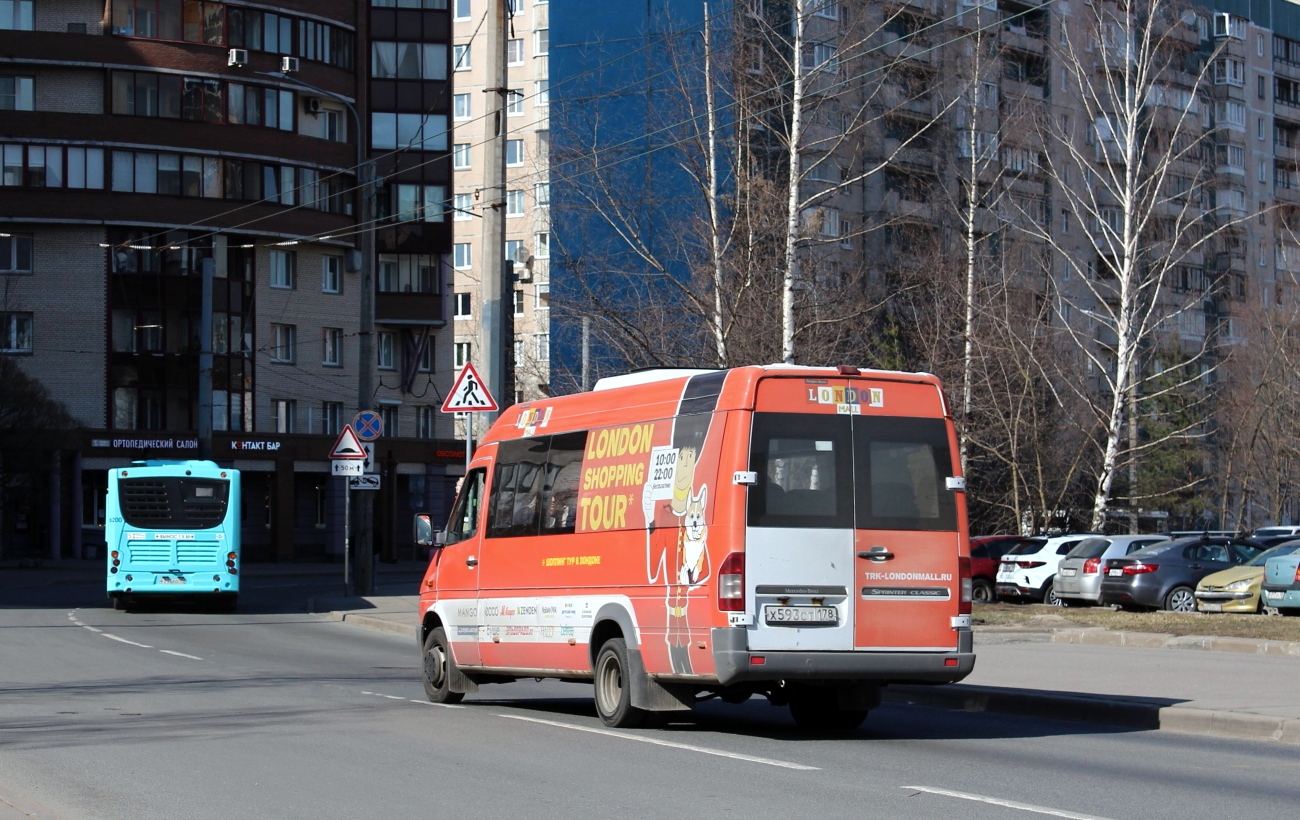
(525, 292)
(145, 142)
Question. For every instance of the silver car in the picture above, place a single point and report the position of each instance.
(1078, 579)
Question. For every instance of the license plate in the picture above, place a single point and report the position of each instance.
(1275, 594)
(168, 579)
(1115, 573)
(800, 614)
(1211, 607)
(1068, 573)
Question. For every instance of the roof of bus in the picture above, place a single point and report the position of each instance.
(656, 394)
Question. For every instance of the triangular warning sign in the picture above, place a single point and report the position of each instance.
(469, 393)
(348, 445)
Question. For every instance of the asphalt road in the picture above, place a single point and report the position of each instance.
(270, 713)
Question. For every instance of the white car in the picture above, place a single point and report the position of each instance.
(1028, 572)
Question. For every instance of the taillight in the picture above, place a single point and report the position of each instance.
(1091, 565)
(1139, 568)
(963, 572)
(731, 583)
(1030, 564)
(1297, 572)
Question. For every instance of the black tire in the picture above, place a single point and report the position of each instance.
(981, 591)
(119, 603)
(438, 665)
(1180, 599)
(1049, 595)
(613, 690)
(816, 709)
(228, 604)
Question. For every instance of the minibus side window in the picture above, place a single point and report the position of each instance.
(900, 467)
(515, 498)
(804, 466)
(463, 522)
(560, 493)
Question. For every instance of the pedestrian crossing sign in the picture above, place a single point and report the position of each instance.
(469, 393)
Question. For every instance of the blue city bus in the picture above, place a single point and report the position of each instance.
(173, 531)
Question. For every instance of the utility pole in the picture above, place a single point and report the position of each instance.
(493, 359)
(365, 546)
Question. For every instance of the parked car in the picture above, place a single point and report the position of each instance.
(1078, 578)
(1165, 575)
(1028, 570)
(1282, 583)
(1239, 589)
(1265, 532)
(986, 553)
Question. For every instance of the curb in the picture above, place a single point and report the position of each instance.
(1098, 636)
(1121, 713)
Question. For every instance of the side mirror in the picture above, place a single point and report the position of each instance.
(424, 536)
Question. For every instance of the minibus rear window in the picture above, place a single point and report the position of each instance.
(864, 472)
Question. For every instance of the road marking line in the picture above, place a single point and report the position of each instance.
(91, 628)
(431, 703)
(1010, 804)
(124, 640)
(766, 761)
(180, 654)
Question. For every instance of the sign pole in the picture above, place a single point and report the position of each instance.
(347, 543)
(469, 440)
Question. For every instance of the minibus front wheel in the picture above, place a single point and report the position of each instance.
(438, 668)
(614, 687)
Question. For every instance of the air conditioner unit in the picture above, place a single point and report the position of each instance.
(237, 56)
(288, 64)
(311, 105)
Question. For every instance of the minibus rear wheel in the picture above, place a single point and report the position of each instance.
(437, 669)
(613, 687)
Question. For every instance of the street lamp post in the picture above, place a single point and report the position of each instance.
(366, 330)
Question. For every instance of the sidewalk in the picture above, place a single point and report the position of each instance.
(1223, 687)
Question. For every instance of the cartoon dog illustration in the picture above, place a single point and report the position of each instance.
(693, 568)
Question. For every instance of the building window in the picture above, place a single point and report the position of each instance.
(514, 102)
(460, 58)
(331, 417)
(514, 203)
(462, 255)
(514, 249)
(385, 345)
(543, 301)
(16, 15)
(284, 411)
(460, 156)
(514, 152)
(463, 306)
(515, 52)
(408, 61)
(542, 41)
(462, 206)
(15, 92)
(542, 97)
(517, 300)
(425, 364)
(542, 194)
(283, 269)
(461, 10)
(284, 343)
(412, 132)
(331, 280)
(542, 347)
(426, 418)
(543, 245)
(461, 106)
(408, 273)
(15, 332)
(332, 342)
(389, 417)
(15, 253)
(418, 203)
(460, 354)
(820, 56)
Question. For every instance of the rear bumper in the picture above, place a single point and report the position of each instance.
(1290, 598)
(734, 663)
(1006, 590)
